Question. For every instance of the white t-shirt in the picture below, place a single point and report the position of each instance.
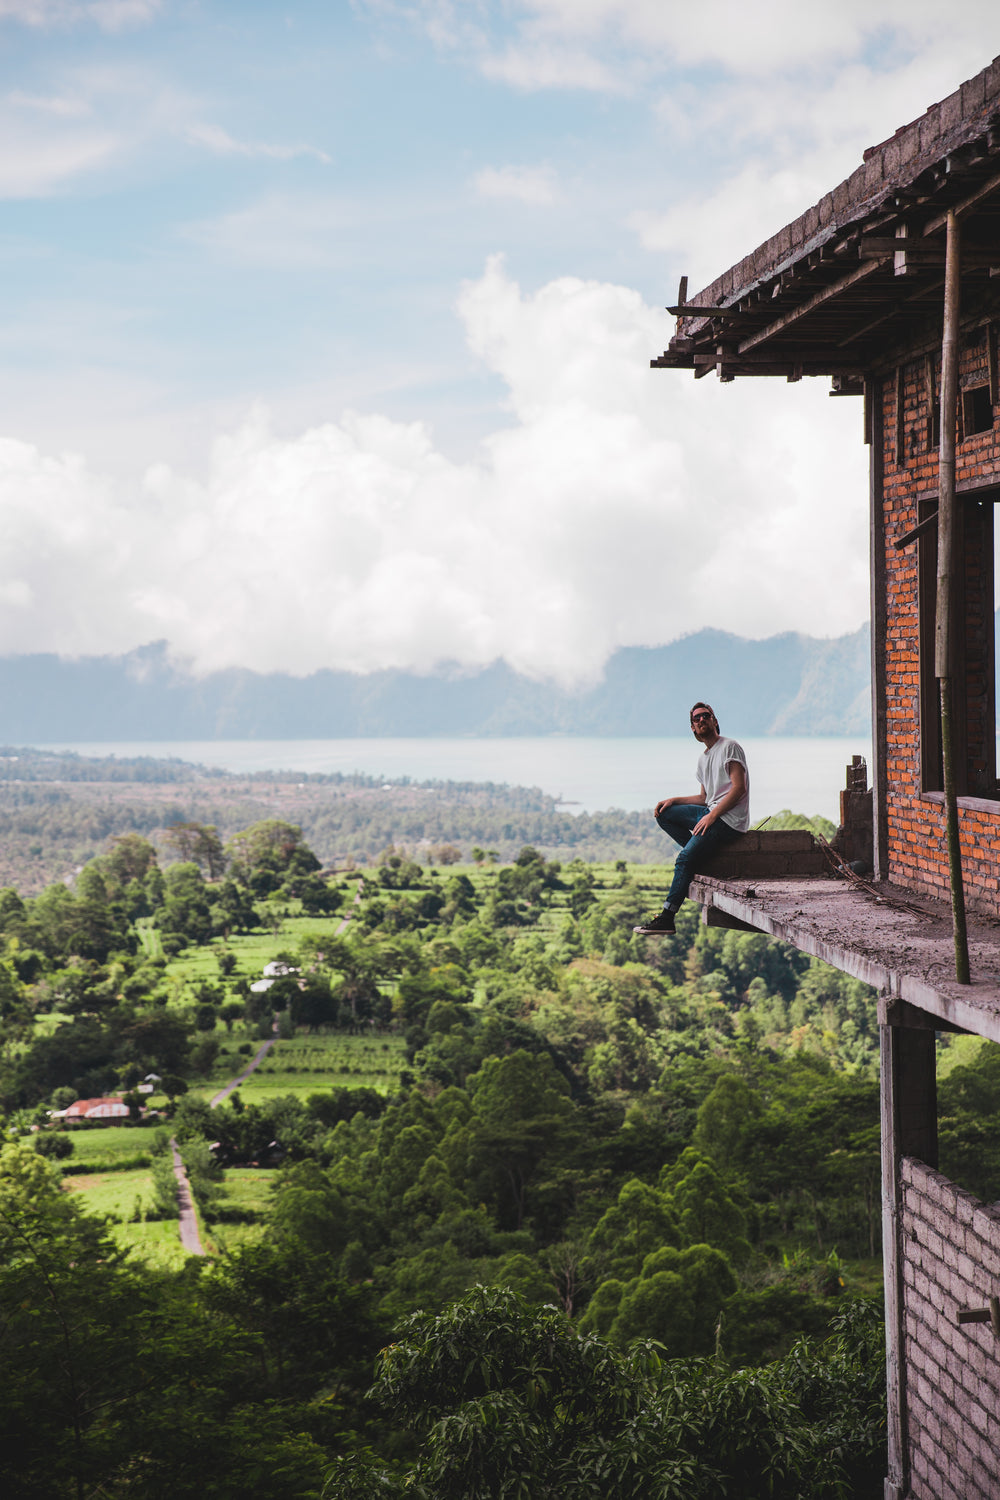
(715, 780)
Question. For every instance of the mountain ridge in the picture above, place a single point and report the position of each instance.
(788, 684)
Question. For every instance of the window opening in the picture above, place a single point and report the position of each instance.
(975, 605)
(977, 410)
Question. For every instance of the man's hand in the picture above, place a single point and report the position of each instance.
(704, 824)
(666, 802)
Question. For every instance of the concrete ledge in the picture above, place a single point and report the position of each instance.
(763, 855)
(899, 953)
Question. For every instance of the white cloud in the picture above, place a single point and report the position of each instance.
(54, 104)
(525, 184)
(37, 159)
(794, 140)
(620, 506)
(608, 44)
(280, 232)
(542, 66)
(109, 15)
(221, 143)
(101, 116)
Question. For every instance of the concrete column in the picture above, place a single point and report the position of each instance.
(909, 1128)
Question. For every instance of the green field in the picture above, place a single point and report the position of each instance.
(301, 1065)
(304, 1065)
(252, 950)
(123, 1195)
(156, 1243)
(247, 1189)
(111, 1143)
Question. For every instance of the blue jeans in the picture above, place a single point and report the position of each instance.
(678, 821)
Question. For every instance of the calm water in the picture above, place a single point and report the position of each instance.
(805, 775)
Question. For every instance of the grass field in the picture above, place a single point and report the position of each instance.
(304, 1065)
(157, 1243)
(121, 1194)
(252, 950)
(113, 1142)
(249, 1190)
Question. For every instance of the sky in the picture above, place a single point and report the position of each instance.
(325, 326)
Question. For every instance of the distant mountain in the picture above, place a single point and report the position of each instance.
(790, 684)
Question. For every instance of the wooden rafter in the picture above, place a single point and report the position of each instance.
(835, 288)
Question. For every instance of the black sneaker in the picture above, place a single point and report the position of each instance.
(658, 925)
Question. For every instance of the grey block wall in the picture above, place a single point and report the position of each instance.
(951, 1260)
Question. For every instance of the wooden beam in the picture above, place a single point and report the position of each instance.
(875, 436)
(692, 310)
(929, 442)
(682, 292)
(867, 327)
(964, 204)
(878, 246)
(947, 575)
(911, 536)
(835, 288)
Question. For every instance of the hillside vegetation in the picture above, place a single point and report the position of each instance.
(57, 812)
(607, 1205)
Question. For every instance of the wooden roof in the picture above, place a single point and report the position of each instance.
(856, 283)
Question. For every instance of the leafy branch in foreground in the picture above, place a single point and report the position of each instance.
(510, 1403)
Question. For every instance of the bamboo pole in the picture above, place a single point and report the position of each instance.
(944, 645)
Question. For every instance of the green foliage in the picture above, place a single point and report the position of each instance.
(673, 1141)
(969, 1123)
(82, 1330)
(787, 819)
(165, 1188)
(507, 1401)
(53, 1144)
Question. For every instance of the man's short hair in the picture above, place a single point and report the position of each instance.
(710, 709)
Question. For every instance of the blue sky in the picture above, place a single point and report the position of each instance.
(325, 328)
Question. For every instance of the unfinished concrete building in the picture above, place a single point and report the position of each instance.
(891, 287)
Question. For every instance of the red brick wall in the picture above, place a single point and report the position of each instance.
(916, 853)
(951, 1259)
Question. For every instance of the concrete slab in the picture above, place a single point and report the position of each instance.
(897, 942)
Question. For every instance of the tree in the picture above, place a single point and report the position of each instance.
(185, 909)
(641, 1221)
(266, 853)
(198, 843)
(129, 857)
(105, 1362)
(522, 1116)
(507, 1402)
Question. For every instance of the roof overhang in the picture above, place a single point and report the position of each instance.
(856, 283)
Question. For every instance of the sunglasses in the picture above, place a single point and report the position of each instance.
(697, 718)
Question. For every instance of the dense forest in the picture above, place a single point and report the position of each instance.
(609, 1226)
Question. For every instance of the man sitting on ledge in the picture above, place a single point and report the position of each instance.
(725, 791)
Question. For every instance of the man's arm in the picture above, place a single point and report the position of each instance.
(736, 793)
(696, 799)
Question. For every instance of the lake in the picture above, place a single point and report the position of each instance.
(588, 775)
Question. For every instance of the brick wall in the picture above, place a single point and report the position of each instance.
(950, 1259)
(916, 850)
